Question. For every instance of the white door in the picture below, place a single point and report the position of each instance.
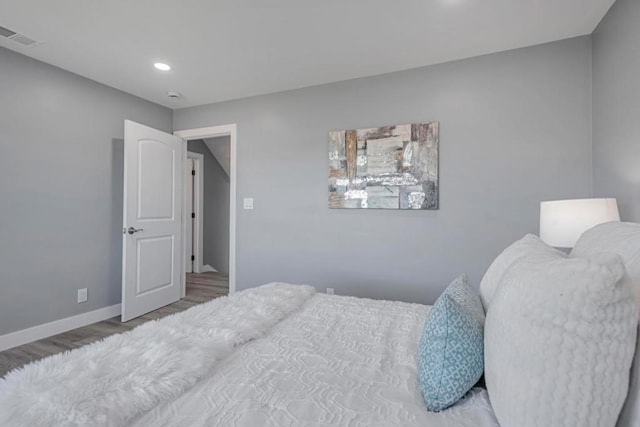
(152, 238)
(188, 238)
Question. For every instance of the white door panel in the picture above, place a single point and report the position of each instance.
(155, 259)
(152, 251)
(156, 179)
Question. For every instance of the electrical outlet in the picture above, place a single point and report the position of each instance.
(247, 203)
(330, 291)
(82, 295)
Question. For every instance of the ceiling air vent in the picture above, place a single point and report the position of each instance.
(23, 40)
(5, 32)
(18, 38)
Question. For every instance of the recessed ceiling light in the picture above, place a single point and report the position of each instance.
(162, 66)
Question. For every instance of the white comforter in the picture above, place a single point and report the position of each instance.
(339, 361)
(113, 381)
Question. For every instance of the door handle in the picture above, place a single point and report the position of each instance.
(132, 230)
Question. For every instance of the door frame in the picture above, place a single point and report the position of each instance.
(198, 203)
(231, 131)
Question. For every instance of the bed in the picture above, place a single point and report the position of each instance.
(337, 361)
(284, 355)
(276, 355)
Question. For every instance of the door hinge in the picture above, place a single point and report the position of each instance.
(193, 172)
(193, 214)
(193, 257)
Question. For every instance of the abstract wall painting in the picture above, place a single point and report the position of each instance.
(389, 167)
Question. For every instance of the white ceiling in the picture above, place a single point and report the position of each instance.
(228, 49)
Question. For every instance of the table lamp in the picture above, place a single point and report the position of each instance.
(563, 221)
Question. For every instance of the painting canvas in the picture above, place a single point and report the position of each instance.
(389, 167)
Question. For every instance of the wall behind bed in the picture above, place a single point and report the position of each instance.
(515, 129)
(616, 107)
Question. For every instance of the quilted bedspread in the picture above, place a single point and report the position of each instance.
(338, 361)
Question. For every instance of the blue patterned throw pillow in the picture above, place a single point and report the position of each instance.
(451, 350)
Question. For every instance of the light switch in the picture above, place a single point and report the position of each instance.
(248, 202)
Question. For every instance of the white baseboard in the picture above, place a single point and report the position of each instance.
(39, 332)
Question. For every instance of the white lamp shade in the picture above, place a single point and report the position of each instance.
(563, 221)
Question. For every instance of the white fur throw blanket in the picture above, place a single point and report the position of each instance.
(110, 382)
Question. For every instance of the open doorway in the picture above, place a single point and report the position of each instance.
(207, 215)
(154, 249)
(216, 222)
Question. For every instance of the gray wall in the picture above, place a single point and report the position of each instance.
(616, 107)
(216, 207)
(221, 149)
(515, 130)
(61, 186)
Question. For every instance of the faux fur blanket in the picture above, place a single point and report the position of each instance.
(110, 382)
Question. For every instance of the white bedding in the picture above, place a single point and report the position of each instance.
(111, 382)
(339, 361)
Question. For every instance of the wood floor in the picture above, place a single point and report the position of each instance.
(200, 288)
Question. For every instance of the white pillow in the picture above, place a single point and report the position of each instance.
(630, 415)
(559, 340)
(529, 245)
(622, 238)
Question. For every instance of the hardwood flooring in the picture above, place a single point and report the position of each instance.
(200, 288)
